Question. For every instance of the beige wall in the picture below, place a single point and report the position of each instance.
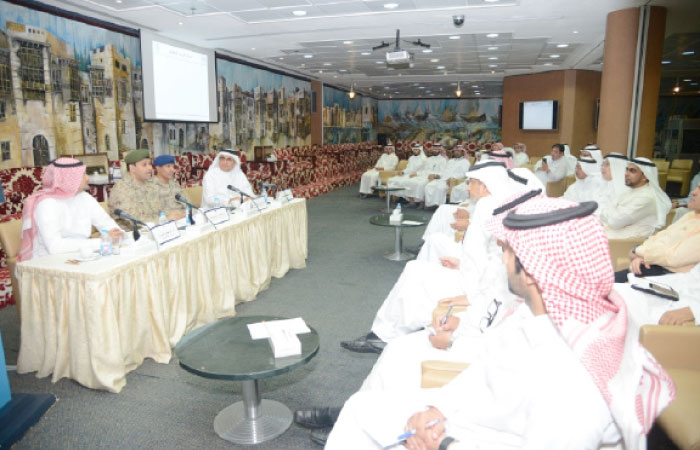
(575, 90)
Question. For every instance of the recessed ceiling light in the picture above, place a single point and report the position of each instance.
(547, 64)
(253, 48)
(391, 5)
(342, 70)
(119, 1)
(454, 38)
(554, 56)
(575, 31)
(180, 23)
(327, 64)
(475, 86)
(299, 13)
(432, 95)
(389, 68)
(308, 56)
(689, 52)
(562, 45)
(347, 42)
(493, 58)
(379, 62)
(665, 61)
(693, 84)
(320, 71)
(492, 35)
(434, 60)
(335, 76)
(365, 53)
(687, 79)
(386, 87)
(421, 87)
(427, 50)
(493, 48)
(493, 65)
(303, 65)
(440, 67)
(490, 1)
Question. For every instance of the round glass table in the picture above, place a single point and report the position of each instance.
(387, 191)
(224, 350)
(409, 220)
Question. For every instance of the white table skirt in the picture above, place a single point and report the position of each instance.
(96, 321)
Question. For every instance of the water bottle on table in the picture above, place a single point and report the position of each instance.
(105, 243)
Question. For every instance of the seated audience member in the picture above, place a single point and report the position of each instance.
(588, 182)
(674, 249)
(646, 308)
(530, 384)
(460, 193)
(634, 214)
(433, 167)
(224, 171)
(553, 168)
(132, 194)
(165, 188)
(681, 206)
(415, 163)
(388, 161)
(521, 157)
(436, 189)
(59, 217)
(423, 283)
(592, 151)
(612, 185)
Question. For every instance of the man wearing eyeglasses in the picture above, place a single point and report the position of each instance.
(531, 385)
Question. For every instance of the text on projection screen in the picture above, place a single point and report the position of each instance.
(538, 115)
(180, 83)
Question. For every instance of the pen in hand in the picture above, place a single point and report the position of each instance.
(444, 319)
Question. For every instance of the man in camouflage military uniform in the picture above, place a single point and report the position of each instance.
(132, 194)
(165, 187)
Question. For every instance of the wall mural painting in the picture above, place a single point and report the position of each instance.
(70, 88)
(370, 111)
(446, 120)
(260, 108)
(342, 117)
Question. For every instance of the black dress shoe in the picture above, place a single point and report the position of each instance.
(320, 436)
(316, 417)
(365, 344)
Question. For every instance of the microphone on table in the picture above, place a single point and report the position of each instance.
(180, 198)
(235, 189)
(121, 214)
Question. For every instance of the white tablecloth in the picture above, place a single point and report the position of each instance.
(95, 321)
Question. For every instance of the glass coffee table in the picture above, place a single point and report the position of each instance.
(387, 191)
(382, 220)
(223, 350)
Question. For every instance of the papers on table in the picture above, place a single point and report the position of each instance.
(282, 335)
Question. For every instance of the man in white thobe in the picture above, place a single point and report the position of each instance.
(423, 284)
(521, 157)
(415, 163)
(60, 216)
(531, 384)
(433, 167)
(554, 168)
(634, 214)
(457, 166)
(388, 161)
(588, 182)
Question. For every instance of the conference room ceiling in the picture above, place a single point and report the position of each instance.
(332, 40)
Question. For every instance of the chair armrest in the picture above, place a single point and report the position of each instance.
(674, 347)
(620, 249)
(384, 175)
(439, 373)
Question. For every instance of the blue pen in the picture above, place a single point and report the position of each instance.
(410, 433)
(444, 319)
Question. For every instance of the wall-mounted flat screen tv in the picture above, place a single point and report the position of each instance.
(540, 115)
(179, 80)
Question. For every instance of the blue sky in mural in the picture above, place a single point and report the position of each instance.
(249, 78)
(437, 107)
(332, 96)
(81, 37)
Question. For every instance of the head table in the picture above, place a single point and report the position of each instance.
(95, 321)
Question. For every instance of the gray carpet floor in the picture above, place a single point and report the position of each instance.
(162, 406)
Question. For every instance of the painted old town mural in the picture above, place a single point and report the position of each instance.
(71, 88)
(444, 120)
(342, 116)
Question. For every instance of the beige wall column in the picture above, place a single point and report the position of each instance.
(629, 93)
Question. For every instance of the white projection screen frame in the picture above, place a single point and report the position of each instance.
(179, 80)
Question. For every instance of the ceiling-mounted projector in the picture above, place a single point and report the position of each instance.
(402, 57)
